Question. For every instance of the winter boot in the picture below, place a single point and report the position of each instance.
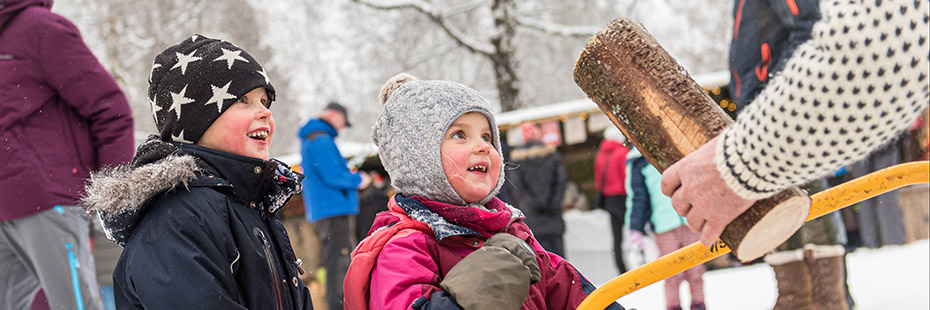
(794, 285)
(825, 264)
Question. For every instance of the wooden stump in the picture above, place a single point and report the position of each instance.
(665, 114)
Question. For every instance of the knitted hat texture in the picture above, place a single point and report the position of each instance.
(409, 131)
(195, 81)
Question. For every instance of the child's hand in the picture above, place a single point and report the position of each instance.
(496, 276)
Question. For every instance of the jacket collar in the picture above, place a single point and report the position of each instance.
(318, 124)
(246, 177)
(448, 220)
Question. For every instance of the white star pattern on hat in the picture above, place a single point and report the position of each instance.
(264, 75)
(230, 57)
(178, 99)
(180, 137)
(155, 65)
(155, 108)
(183, 60)
(220, 94)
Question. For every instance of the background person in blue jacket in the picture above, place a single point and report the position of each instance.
(330, 195)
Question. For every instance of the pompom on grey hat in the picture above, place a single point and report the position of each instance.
(195, 81)
(414, 117)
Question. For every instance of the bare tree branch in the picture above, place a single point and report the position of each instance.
(440, 19)
(555, 29)
(464, 7)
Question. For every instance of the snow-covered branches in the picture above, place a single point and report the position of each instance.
(555, 29)
(438, 17)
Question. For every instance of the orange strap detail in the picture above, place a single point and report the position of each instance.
(762, 71)
(793, 6)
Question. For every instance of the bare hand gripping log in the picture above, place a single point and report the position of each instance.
(665, 114)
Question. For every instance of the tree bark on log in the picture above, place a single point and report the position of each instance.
(667, 115)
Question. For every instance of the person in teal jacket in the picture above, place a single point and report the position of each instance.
(330, 195)
(647, 204)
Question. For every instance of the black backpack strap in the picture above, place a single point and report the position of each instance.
(315, 134)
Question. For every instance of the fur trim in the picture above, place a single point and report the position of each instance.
(116, 191)
(531, 152)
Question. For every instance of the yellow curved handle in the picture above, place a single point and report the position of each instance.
(835, 198)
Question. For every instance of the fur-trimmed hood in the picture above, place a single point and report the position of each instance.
(121, 195)
(531, 151)
(118, 194)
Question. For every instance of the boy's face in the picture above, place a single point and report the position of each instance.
(245, 128)
(471, 163)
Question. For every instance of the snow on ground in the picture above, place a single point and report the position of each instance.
(891, 277)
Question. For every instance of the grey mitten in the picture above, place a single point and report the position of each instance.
(496, 276)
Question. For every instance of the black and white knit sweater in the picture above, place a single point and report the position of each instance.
(862, 78)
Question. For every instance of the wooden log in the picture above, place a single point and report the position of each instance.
(667, 115)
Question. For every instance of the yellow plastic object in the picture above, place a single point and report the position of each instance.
(824, 202)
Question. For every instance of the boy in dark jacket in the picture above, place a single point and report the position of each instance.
(440, 145)
(196, 210)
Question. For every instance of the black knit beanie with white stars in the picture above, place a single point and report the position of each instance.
(194, 81)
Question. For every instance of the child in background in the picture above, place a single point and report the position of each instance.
(647, 204)
(440, 145)
(196, 210)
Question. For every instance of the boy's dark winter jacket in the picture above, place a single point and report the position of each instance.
(200, 230)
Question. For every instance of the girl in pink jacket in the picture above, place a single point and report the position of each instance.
(446, 241)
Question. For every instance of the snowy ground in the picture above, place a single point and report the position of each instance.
(891, 277)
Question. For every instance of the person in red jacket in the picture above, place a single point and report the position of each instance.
(61, 116)
(609, 177)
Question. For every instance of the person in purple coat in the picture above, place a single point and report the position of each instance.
(61, 116)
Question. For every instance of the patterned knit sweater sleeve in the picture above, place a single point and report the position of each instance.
(859, 81)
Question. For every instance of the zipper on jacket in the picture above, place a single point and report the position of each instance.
(278, 297)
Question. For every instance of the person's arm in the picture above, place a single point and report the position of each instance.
(321, 155)
(70, 68)
(641, 206)
(558, 185)
(858, 82)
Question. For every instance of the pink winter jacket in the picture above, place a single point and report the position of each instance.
(408, 270)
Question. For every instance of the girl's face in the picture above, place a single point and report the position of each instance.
(245, 128)
(469, 159)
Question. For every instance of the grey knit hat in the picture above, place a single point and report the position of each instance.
(414, 117)
(195, 81)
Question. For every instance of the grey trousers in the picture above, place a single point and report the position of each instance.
(51, 250)
(336, 234)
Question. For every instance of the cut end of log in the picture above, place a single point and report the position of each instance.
(774, 228)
